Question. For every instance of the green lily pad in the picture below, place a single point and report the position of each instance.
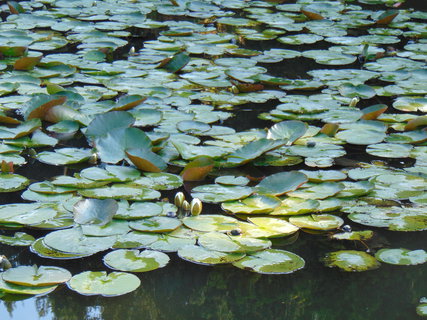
(351, 260)
(280, 183)
(100, 283)
(135, 239)
(402, 256)
(271, 261)
(389, 150)
(115, 227)
(361, 91)
(94, 211)
(160, 181)
(12, 182)
(155, 224)
(18, 239)
(317, 221)
(318, 191)
(200, 255)
(64, 156)
(252, 204)
(167, 243)
(121, 191)
(216, 193)
(224, 243)
(75, 242)
(295, 206)
(274, 226)
(135, 260)
(36, 276)
(354, 235)
(232, 180)
(137, 210)
(146, 160)
(209, 223)
(287, 130)
(28, 290)
(39, 248)
(252, 150)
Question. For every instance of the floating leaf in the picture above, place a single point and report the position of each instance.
(30, 290)
(402, 256)
(39, 248)
(215, 193)
(209, 223)
(100, 283)
(287, 130)
(36, 276)
(252, 204)
(317, 221)
(197, 169)
(271, 261)
(354, 235)
(200, 255)
(155, 224)
(280, 183)
(135, 260)
(146, 160)
(351, 260)
(175, 63)
(18, 239)
(94, 211)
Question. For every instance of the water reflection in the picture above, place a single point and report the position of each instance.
(188, 291)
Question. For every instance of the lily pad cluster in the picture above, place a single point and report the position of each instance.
(136, 120)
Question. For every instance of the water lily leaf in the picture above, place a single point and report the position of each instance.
(13, 51)
(27, 213)
(271, 261)
(276, 227)
(193, 127)
(410, 104)
(215, 193)
(361, 91)
(121, 191)
(64, 156)
(312, 15)
(287, 130)
(209, 223)
(422, 308)
(327, 57)
(386, 17)
(40, 105)
(36, 276)
(112, 228)
(135, 260)
(373, 112)
(197, 169)
(295, 206)
(12, 182)
(232, 180)
(167, 243)
(26, 63)
(252, 204)
(351, 260)
(253, 150)
(39, 248)
(135, 239)
(160, 181)
(355, 189)
(402, 256)
(18, 239)
(175, 63)
(155, 224)
(415, 123)
(128, 102)
(137, 210)
(317, 221)
(94, 211)
(102, 124)
(75, 242)
(224, 243)
(110, 174)
(27, 290)
(324, 175)
(100, 283)
(354, 235)
(200, 255)
(389, 150)
(146, 160)
(15, 7)
(21, 130)
(280, 183)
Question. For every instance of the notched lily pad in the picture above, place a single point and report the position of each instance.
(271, 261)
(402, 256)
(36, 276)
(351, 260)
(135, 260)
(200, 255)
(100, 283)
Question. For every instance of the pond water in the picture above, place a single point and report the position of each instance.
(184, 290)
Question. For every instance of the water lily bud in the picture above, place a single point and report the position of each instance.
(196, 207)
(179, 199)
(5, 263)
(354, 101)
(132, 51)
(185, 205)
